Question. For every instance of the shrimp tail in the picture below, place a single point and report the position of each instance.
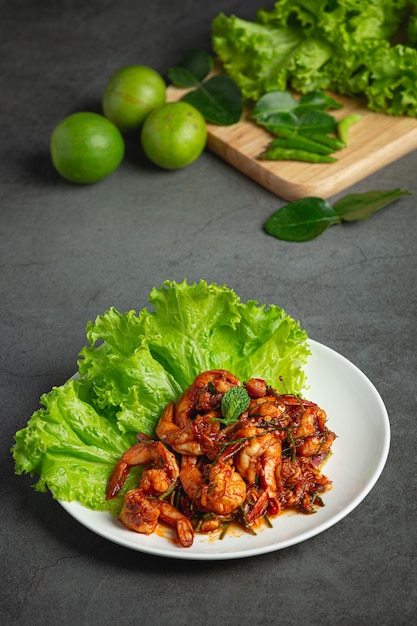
(259, 509)
(185, 532)
(117, 479)
(182, 524)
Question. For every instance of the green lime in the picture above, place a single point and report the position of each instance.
(131, 94)
(86, 147)
(174, 135)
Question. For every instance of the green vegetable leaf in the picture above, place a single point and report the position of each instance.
(360, 206)
(181, 77)
(312, 121)
(341, 46)
(276, 121)
(307, 218)
(272, 103)
(134, 365)
(234, 402)
(302, 220)
(279, 112)
(72, 447)
(255, 56)
(317, 100)
(195, 65)
(218, 100)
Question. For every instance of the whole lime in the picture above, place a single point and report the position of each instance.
(131, 93)
(174, 135)
(86, 147)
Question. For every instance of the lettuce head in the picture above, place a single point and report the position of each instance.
(353, 47)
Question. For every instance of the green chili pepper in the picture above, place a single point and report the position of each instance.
(291, 154)
(327, 140)
(289, 139)
(344, 125)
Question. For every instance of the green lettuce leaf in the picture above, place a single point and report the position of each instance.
(134, 365)
(126, 382)
(342, 45)
(253, 55)
(72, 447)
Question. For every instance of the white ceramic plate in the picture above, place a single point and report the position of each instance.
(356, 413)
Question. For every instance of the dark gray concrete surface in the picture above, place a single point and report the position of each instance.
(68, 253)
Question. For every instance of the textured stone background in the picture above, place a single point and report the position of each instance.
(68, 253)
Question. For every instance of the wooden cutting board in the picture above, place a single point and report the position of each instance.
(376, 141)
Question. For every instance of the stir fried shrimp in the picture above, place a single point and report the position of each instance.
(162, 470)
(312, 433)
(142, 514)
(204, 395)
(302, 484)
(207, 469)
(221, 492)
(143, 508)
(259, 447)
(256, 388)
(195, 437)
(139, 513)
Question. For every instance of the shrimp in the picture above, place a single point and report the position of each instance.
(204, 395)
(275, 412)
(142, 514)
(267, 407)
(292, 482)
(301, 482)
(256, 388)
(160, 477)
(266, 461)
(170, 515)
(311, 419)
(195, 438)
(271, 465)
(311, 435)
(260, 457)
(191, 478)
(142, 510)
(139, 513)
(260, 507)
(223, 492)
(315, 445)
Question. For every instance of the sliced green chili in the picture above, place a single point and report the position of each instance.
(288, 154)
(224, 528)
(292, 140)
(344, 125)
(327, 140)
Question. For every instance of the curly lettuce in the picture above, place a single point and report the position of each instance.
(137, 362)
(342, 45)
